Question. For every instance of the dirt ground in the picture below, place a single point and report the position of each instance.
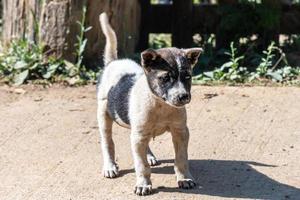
(245, 144)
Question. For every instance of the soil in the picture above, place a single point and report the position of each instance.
(244, 144)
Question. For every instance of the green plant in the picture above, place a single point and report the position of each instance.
(81, 41)
(23, 60)
(267, 66)
(229, 71)
(266, 62)
(235, 71)
(157, 41)
(77, 73)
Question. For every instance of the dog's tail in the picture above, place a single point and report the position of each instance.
(110, 51)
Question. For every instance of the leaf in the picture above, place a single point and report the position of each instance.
(276, 76)
(287, 70)
(88, 28)
(82, 47)
(20, 65)
(234, 77)
(50, 71)
(227, 53)
(68, 65)
(200, 76)
(21, 77)
(226, 65)
(239, 58)
(253, 76)
(209, 74)
(35, 65)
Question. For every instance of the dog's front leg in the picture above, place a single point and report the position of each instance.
(139, 145)
(180, 137)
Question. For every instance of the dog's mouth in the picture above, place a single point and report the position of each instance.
(176, 104)
(180, 104)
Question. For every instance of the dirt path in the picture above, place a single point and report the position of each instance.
(245, 144)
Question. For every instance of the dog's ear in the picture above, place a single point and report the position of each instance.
(149, 54)
(148, 57)
(193, 54)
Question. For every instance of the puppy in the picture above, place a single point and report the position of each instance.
(150, 100)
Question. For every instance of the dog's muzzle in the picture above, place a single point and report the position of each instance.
(182, 99)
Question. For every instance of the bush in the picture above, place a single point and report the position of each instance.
(233, 72)
(23, 60)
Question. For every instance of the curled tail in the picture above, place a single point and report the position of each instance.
(110, 51)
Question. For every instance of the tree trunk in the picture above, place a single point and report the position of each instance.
(53, 23)
(19, 19)
(58, 28)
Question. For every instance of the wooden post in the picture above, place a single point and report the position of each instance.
(145, 21)
(182, 23)
(271, 33)
(223, 38)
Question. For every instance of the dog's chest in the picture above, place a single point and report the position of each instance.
(162, 120)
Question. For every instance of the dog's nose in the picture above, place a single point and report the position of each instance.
(183, 97)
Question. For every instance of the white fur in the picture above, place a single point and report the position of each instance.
(178, 62)
(177, 89)
(114, 71)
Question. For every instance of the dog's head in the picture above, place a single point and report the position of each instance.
(169, 73)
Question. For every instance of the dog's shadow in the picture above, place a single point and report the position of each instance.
(234, 179)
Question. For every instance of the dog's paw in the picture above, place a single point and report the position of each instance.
(111, 171)
(186, 184)
(152, 160)
(143, 190)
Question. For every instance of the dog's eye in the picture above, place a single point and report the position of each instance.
(165, 78)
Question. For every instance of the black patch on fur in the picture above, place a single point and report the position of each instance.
(118, 98)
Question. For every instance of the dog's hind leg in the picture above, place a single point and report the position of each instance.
(110, 168)
(151, 158)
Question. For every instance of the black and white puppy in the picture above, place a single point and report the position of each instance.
(150, 100)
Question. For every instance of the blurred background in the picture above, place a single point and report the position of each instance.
(245, 41)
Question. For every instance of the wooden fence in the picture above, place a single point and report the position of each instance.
(182, 19)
